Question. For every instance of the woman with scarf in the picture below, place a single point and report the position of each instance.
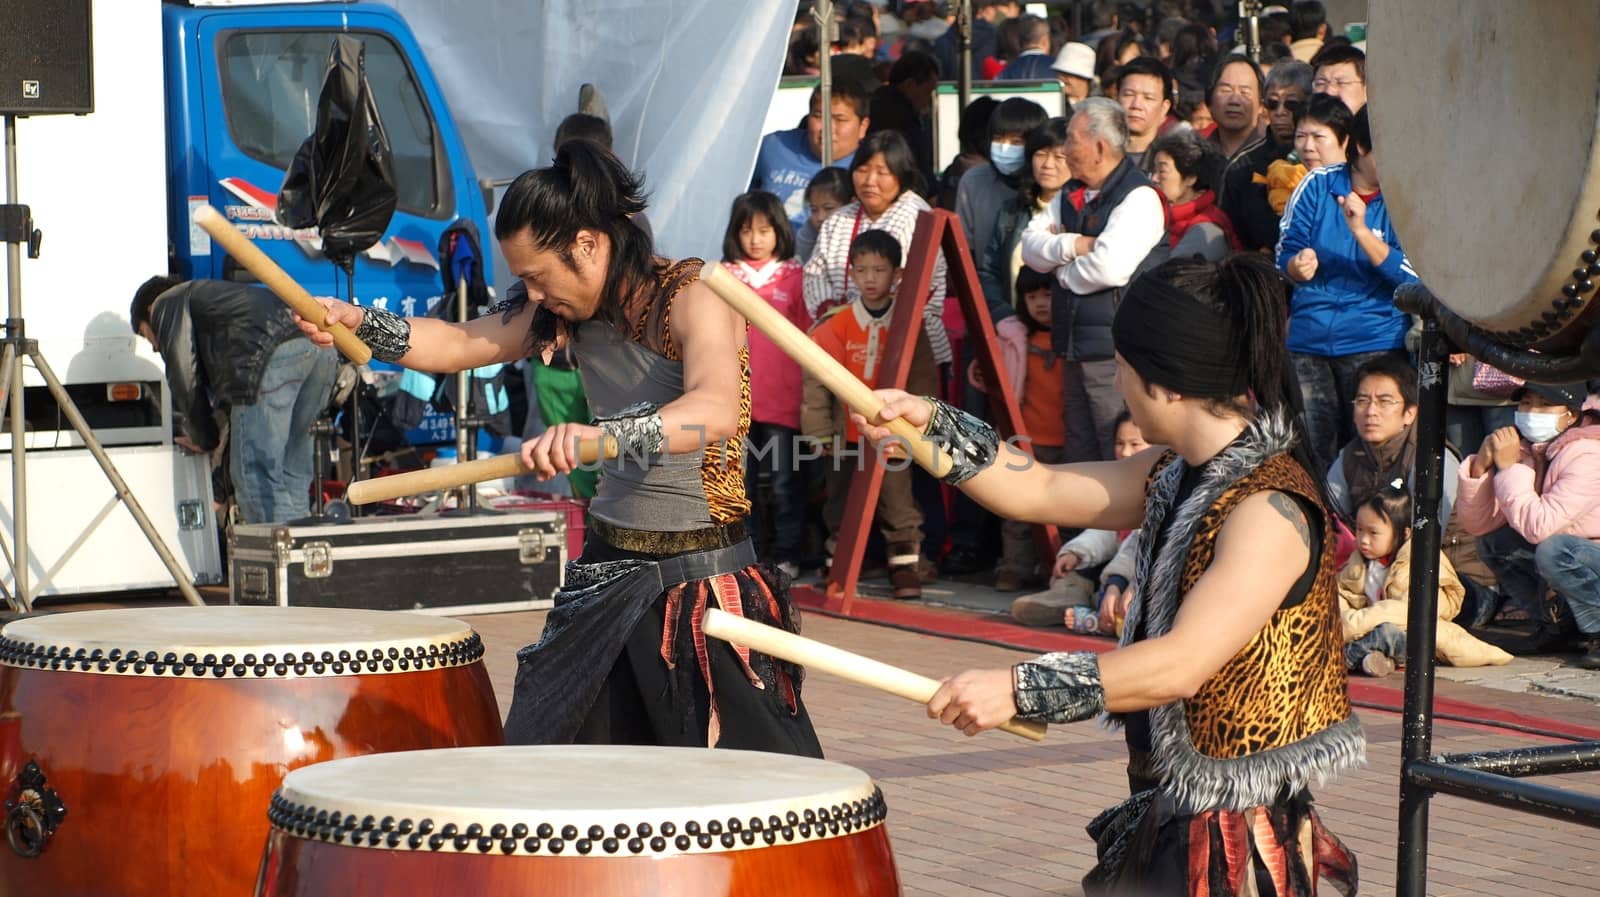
(1187, 170)
(1229, 680)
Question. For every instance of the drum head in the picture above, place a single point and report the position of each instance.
(1483, 123)
(576, 799)
(238, 641)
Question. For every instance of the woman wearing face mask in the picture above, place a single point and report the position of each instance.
(985, 189)
(1532, 496)
(1039, 182)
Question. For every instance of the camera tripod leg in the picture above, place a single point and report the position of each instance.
(75, 418)
(11, 373)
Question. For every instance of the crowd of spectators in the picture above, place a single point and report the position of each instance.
(1175, 143)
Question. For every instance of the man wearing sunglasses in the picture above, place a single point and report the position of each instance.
(1243, 198)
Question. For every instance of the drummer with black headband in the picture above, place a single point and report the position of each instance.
(665, 369)
(1228, 681)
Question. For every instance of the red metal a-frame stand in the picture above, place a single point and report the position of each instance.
(937, 230)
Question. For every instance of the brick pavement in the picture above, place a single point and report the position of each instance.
(995, 815)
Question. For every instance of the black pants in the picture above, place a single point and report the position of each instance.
(637, 704)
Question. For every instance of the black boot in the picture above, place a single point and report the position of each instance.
(1591, 655)
(1556, 631)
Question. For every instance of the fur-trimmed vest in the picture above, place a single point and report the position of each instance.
(1277, 714)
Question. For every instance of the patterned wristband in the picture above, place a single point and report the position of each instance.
(971, 443)
(637, 429)
(1059, 688)
(388, 334)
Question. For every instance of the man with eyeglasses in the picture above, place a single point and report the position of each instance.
(1243, 196)
(1342, 73)
(1384, 451)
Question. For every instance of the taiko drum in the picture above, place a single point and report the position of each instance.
(578, 820)
(139, 749)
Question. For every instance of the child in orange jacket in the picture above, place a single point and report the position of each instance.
(857, 336)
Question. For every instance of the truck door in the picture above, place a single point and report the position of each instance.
(260, 75)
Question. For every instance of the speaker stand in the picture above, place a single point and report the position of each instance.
(16, 229)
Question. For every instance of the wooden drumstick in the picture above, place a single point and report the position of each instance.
(278, 281)
(814, 655)
(818, 363)
(434, 479)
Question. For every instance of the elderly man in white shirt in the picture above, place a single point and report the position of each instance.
(1108, 225)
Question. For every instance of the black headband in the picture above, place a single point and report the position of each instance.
(1178, 342)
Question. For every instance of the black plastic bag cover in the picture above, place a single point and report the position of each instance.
(341, 181)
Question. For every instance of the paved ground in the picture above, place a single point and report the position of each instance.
(1538, 675)
(995, 815)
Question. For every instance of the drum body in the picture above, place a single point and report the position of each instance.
(566, 820)
(165, 764)
(1493, 184)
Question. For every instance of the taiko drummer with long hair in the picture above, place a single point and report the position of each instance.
(665, 369)
(1229, 682)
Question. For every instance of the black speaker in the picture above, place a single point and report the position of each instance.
(46, 57)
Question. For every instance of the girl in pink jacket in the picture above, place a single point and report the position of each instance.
(1532, 496)
(758, 248)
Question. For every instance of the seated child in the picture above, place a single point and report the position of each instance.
(1071, 598)
(1374, 588)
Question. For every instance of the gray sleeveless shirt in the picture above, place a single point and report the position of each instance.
(662, 492)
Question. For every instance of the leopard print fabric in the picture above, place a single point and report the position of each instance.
(1288, 682)
(1276, 716)
(722, 468)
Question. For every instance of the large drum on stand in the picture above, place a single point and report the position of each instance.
(580, 821)
(139, 749)
(1486, 141)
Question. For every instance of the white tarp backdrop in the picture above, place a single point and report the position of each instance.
(687, 84)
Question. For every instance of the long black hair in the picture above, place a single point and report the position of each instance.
(745, 208)
(1251, 292)
(1048, 136)
(586, 188)
(1393, 504)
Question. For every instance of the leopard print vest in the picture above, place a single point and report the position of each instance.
(1277, 715)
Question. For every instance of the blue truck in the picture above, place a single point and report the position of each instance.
(214, 117)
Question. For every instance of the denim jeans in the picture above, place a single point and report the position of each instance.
(1571, 566)
(1386, 639)
(1465, 426)
(1511, 558)
(776, 491)
(271, 439)
(1327, 386)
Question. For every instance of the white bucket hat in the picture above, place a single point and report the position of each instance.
(1075, 59)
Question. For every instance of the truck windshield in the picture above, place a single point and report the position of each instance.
(270, 84)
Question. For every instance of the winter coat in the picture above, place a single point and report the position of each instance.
(216, 338)
(1454, 645)
(1348, 307)
(774, 376)
(1212, 236)
(859, 341)
(827, 285)
(1564, 500)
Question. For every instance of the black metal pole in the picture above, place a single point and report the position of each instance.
(1554, 759)
(1417, 739)
(355, 402)
(1488, 788)
(963, 71)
